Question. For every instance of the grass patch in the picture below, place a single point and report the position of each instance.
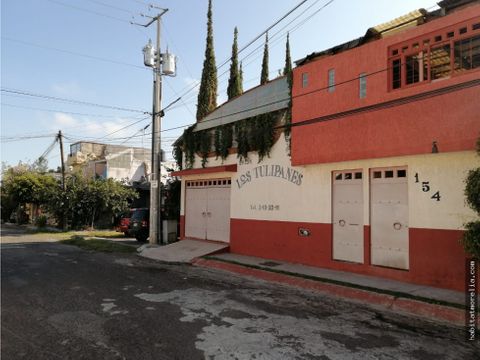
(98, 245)
(108, 234)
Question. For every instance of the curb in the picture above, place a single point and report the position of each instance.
(442, 313)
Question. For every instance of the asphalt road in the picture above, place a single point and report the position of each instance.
(60, 302)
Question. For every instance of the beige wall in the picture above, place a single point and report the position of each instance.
(275, 198)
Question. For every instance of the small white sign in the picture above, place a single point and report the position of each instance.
(154, 184)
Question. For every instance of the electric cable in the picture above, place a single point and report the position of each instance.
(98, 58)
(89, 11)
(73, 101)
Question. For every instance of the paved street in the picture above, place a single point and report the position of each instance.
(60, 302)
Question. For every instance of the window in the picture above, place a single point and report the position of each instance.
(362, 85)
(377, 174)
(396, 73)
(440, 62)
(74, 149)
(435, 57)
(415, 68)
(389, 174)
(331, 80)
(304, 80)
(358, 175)
(466, 54)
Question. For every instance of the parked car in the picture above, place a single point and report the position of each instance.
(124, 223)
(139, 224)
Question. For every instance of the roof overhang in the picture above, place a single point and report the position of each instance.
(209, 170)
(262, 99)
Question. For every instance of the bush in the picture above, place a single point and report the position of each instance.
(472, 189)
(471, 239)
(41, 221)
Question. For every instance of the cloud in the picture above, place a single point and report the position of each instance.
(98, 130)
(62, 120)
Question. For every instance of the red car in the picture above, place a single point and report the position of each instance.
(125, 223)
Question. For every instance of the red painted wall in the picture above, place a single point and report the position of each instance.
(451, 119)
(436, 256)
(182, 227)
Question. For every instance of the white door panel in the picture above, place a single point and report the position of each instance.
(389, 218)
(348, 216)
(195, 212)
(207, 209)
(218, 213)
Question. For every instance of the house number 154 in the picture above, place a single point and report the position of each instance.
(426, 188)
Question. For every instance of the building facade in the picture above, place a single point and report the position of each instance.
(123, 163)
(383, 134)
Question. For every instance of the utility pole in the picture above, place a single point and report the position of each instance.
(60, 140)
(153, 58)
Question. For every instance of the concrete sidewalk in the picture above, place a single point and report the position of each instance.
(184, 251)
(425, 301)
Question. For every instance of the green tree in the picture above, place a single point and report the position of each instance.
(471, 237)
(86, 199)
(287, 70)
(264, 75)
(240, 72)
(234, 86)
(21, 185)
(207, 95)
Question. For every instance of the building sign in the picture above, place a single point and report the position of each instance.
(276, 171)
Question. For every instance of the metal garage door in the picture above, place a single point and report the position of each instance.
(389, 217)
(207, 209)
(348, 215)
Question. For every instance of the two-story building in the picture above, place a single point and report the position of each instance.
(126, 163)
(383, 134)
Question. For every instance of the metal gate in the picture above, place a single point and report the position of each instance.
(207, 209)
(347, 215)
(389, 217)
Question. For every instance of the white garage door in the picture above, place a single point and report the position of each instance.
(389, 217)
(348, 215)
(207, 209)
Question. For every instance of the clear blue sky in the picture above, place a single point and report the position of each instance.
(58, 47)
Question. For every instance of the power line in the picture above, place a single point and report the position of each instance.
(73, 101)
(123, 128)
(98, 58)
(265, 31)
(66, 112)
(21, 138)
(89, 11)
(111, 6)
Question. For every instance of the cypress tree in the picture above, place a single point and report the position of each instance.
(207, 95)
(241, 78)
(264, 76)
(288, 60)
(234, 88)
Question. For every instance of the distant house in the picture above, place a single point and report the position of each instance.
(123, 163)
